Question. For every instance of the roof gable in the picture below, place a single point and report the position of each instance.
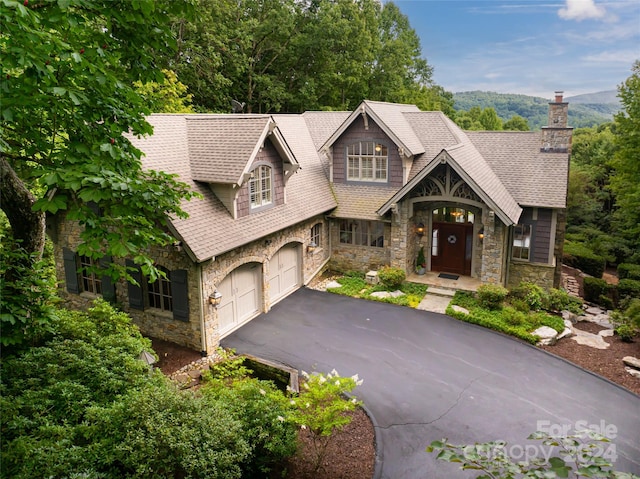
(389, 116)
(222, 148)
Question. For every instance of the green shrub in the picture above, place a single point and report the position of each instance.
(627, 323)
(519, 305)
(581, 257)
(491, 296)
(532, 294)
(628, 289)
(560, 300)
(262, 410)
(594, 288)
(391, 278)
(514, 317)
(629, 271)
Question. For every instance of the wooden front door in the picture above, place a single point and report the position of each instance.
(451, 248)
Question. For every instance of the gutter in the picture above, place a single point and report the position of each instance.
(203, 331)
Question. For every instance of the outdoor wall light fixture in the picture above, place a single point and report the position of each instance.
(312, 247)
(215, 298)
(481, 233)
(420, 229)
(378, 147)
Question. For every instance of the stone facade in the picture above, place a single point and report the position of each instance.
(202, 281)
(493, 249)
(348, 257)
(540, 274)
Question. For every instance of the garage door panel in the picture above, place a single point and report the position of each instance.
(240, 291)
(284, 271)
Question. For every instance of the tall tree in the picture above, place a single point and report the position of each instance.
(68, 99)
(626, 181)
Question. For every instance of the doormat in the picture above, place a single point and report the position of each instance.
(448, 276)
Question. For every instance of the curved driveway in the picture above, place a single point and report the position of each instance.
(429, 376)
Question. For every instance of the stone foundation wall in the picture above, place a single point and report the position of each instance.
(537, 273)
(493, 249)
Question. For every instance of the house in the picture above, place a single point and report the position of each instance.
(284, 196)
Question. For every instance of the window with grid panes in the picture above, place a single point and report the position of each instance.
(159, 292)
(521, 242)
(362, 233)
(90, 282)
(367, 161)
(260, 187)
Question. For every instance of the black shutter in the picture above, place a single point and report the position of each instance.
(70, 270)
(136, 299)
(180, 293)
(108, 288)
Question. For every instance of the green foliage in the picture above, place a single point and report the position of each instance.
(68, 108)
(630, 271)
(227, 369)
(350, 286)
(169, 96)
(533, 109)
(321, 406)
(535, 296)
(583, 454)
(627, 322)
(595, 289)
(27, 295)
(628, 288)
(626, 182)
(263, 411)
(560, 300)
(581, 257)
(391, 278)
(356, 287)
(516, 123)
(491, 296)
(421, 261)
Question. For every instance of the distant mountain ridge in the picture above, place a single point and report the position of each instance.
(584, 110)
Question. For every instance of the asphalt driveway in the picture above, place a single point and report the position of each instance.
(429, 376)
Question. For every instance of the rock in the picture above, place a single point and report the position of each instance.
(567, 333)
(631, 361)
(569, 316)
(381, 294)
(333, 284)
(460, 309)
(372, 277)
(396, 294)
(588, 339)
(606, 333)
(568, 323)
(594, 310)
(634, 372)
(547, 335)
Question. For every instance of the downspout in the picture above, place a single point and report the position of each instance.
(203, 331)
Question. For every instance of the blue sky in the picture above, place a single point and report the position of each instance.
(530, 47)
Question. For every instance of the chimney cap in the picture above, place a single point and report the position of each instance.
(559, 94)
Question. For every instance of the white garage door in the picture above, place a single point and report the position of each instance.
(240, 297)
(284, 272)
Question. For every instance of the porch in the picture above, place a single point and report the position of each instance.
(432, 279)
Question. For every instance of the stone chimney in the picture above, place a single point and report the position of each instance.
(556, 136)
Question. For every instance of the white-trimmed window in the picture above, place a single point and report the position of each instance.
(362, 233)
(367, 161)
(90, 282)
(522, 242)
(316, 234)
(260, 186)
(159, 292)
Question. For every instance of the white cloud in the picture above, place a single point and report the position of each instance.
(626, 57)
(582, 10)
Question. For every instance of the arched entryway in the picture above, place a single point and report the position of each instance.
(452, 240)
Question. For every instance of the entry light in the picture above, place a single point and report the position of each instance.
(215, 298)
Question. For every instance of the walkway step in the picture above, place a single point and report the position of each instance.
(433, 303)
(441, 292)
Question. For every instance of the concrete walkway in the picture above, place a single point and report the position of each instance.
(429, 376)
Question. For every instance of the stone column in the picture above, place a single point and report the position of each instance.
(492, 249)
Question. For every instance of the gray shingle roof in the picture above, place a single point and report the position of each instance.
(533, 178)
(322, 124)
(221, 146)
(210, 230)
(359, 201)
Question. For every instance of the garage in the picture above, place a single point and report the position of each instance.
(284, 271)
(241, 292)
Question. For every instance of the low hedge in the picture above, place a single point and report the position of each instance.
(579, 256)
(596, 289)
(628, 288)
(629, 271)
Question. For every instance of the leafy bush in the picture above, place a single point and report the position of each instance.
(514, 317)
(594, 288)
(519, 305)
(581, 257)
(560, 300)
(627, 322)
(491, 296)
(262, 409)
(421, 262)
(350, 286)
(535, 297)
(391, 278)
(629, 288)
(629, 271)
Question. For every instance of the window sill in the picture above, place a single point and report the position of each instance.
(159, 312)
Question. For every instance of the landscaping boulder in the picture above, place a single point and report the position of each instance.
(547, 335)
(631, 361)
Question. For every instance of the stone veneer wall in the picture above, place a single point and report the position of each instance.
(561, 227)
(346, 257)
(400, 244)
(161, 325)
(493, 249)
(537, 273)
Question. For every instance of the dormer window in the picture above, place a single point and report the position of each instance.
(367, 161)
(260, 187)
